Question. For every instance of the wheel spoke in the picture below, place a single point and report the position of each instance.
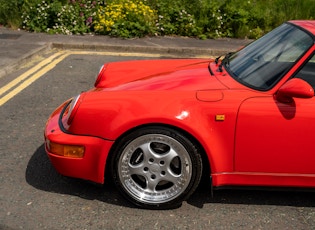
(136, 169)
(171, 177)
(151, 185)
(169, 157)
(147, 151)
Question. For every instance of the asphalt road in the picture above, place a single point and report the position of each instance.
(34, 196)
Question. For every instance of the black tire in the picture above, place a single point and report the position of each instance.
(156, 167)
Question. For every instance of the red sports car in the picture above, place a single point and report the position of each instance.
(157, 126)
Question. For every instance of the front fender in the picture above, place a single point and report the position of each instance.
(112, 114)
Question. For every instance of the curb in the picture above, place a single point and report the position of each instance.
(167, 51)
(180, 52)
(24, 59)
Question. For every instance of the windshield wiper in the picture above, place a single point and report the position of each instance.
(225, 61)
(217, 59)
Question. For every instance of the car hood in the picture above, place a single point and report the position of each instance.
(175, 74)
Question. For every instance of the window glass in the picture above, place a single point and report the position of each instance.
(307, 73)
(261, 64)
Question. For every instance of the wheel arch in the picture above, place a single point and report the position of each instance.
(201, 150)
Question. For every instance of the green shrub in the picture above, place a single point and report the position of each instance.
(199, 12)
(38, 16)
(72, 17)
(10, 12)
(293, 9)
(137, 18)
(173, 18)
(76, 17)
(125, 18)
(229, 18)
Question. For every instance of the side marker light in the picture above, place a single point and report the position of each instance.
(220, 117)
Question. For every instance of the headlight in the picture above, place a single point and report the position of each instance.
(100, 75)
(70, 111)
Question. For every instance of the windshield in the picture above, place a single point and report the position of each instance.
(261, 64)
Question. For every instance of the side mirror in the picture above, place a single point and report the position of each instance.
(295, 87)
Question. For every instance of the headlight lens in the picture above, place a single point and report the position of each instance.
(100, 75)
(70, 111)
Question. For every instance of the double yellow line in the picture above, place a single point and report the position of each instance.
(18, 84)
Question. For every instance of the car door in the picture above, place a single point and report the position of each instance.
(275, 137)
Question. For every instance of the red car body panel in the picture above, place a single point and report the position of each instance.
(88, 167)
(215, 109)
(146, 72)
(306, 24)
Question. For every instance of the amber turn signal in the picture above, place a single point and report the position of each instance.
(220, 117)
(75, 151)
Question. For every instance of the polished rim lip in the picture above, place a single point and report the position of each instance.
(138, 193)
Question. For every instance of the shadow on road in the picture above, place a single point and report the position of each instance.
(41, 175)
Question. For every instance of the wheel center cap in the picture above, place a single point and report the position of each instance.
(155, 168)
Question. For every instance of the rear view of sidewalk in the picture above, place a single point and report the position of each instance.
(18, 47)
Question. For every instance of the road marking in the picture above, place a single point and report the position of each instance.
(30, 76)
(27, 73)
(54, 60)
(105, 53)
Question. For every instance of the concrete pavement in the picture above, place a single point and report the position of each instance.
(18, 47)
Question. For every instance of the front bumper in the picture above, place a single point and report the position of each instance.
(91, 166)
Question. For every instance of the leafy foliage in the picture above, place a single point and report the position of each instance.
(173, 18)
(10, 12)
(137, 18)
(72, 17)
(125, 18)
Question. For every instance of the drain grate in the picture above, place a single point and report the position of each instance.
(10, 36)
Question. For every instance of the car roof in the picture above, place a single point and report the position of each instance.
(308, 25)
